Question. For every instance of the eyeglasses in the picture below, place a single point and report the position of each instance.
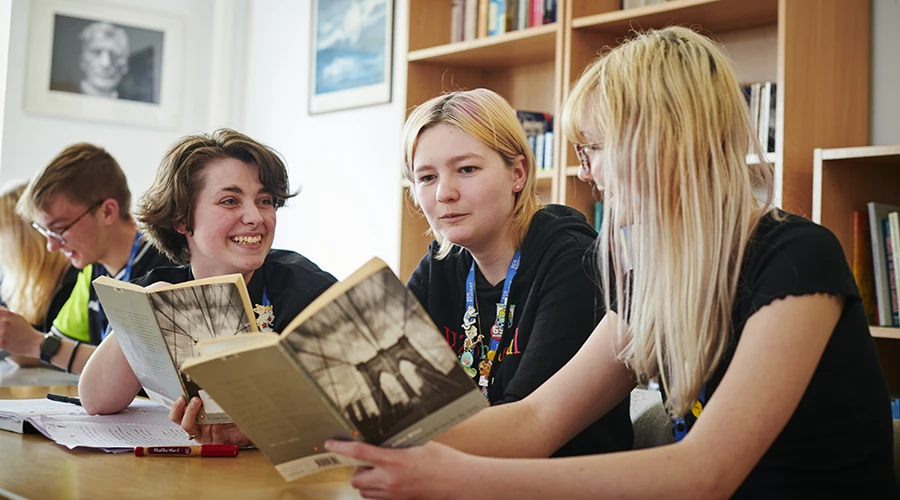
(58, 236)
(585, 152)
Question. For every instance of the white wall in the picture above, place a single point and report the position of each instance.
(884, 125)
(5, 13)
(348, 162)
(30, 141)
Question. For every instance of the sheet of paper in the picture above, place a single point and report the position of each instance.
(14, 412)
(146, 424)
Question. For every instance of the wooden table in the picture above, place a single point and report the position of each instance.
(32, 466)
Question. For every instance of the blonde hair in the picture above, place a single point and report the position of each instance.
(31, 274)
(486, 116)
(675, 130)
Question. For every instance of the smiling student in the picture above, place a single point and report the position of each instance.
(748, 316)
(505, 278)
(211, 208)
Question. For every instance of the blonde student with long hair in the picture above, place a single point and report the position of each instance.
(747, 316)
(505, 278)
(36, 283)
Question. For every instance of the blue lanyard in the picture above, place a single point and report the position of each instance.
(680, 426)
(126, 276)
(475, 337)
(134, 251)
(265, 298)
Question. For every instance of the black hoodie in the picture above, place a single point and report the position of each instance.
(554, 308)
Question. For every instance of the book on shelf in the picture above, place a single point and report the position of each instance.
(482, 24)
(861, 264)
(893, 222)
(538, 129)
(497, 17)
(159, 327)
(457, 21)
(882, 262)
(363, 361)
(762, 101)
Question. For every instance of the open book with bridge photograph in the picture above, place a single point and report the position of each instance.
(363, 361)
(158, 328)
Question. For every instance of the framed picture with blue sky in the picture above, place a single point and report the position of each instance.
(350, 54)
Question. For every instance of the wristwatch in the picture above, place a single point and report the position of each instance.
(49, 347)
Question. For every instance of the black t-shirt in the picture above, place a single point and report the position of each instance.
(553, 312)
(291, 281)
(839, 441)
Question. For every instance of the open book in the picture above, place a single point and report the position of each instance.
(158, 329)
(363, 361)
(143, 423)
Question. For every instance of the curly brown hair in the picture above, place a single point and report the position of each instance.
(169, 201)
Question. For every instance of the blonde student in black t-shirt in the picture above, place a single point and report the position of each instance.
(212, 209)
(748, 317)
(505, 278)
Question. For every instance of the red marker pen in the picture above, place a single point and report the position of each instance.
(206, 450)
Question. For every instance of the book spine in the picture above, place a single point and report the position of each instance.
(549, 11)
(483, 17)
(470, 28)
(762, 131)
(537, 12)
(548, 150)
(456, 21)
(889, 255)
(879, 264)
(863, 270)
(894, 224)
(522, 17)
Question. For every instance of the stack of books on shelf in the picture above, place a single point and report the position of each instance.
(876, 252)
(539, 131)
(472, 19)
(761, 99)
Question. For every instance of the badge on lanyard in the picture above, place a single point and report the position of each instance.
(474, 337)
(265, 314)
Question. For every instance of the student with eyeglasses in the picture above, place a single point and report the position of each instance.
(506, 279)
(80, 203)
(748, 316)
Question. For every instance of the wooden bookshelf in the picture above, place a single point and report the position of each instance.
(817, 51)
(844, 181)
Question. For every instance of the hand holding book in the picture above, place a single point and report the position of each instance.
(187, 415)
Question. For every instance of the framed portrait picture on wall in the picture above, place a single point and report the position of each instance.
(102, 62)
(351, 52)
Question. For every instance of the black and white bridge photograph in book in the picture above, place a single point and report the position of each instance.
(380, 359)
(189, 315)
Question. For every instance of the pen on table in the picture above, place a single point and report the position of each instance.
(205, 450)
(63, 399)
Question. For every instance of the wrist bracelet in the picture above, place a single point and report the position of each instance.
(72, 356)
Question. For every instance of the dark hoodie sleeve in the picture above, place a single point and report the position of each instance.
(564, 320)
